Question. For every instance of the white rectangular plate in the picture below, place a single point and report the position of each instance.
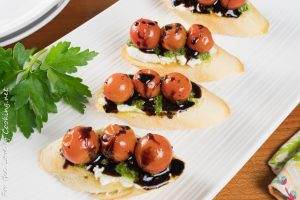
(260, 100)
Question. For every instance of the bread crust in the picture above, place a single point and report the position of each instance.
(209, 111)
(222, 65)
(251, 23)
(51, 160)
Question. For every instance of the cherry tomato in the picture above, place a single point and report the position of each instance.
(173, 36)
(118, 142)
(176, 87)
(145, 34)
(147, 83)
(118, 88)
(206, 2)
(153, 153)
(80, 145)
(232, 4)
(199, 38)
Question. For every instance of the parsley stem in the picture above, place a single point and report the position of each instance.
(35, 59)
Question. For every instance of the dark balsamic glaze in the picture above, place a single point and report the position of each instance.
(150, 51)
(110, 106)
(190, 53)
(216, 8)
(169, 108)
(196, 90)
(144, 179)
(145, 78)
(102, 162)
(67, 164)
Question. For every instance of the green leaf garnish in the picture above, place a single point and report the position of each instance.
(139, 103)
(20, 54)
(192, 98)
(32, 84)
(123, 169)
(204, 56)
(65, 59)
(158, 104)
(181, 51)
(243, 8)
(156, 50)
(130, 43)
(169, 54)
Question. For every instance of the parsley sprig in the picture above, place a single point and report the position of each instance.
(32, 83)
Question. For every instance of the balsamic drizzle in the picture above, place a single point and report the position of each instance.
(146, 78)
(144, 179)
(215, 8)
(169, 108)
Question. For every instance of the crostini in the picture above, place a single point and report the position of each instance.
(228, 17)
(111, 163)
(149, 101)
(174, 49)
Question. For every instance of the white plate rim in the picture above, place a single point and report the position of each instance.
(15, 26)
(37, 26)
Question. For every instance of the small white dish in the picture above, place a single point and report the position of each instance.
(24, 29)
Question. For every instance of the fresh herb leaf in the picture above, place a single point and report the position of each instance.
(204, 56)
(7, 62)
(243, 8)
(70, 89)
(157, 50)
(123, 169)
(130, 43)
(192, 98)
(158, 104)
(169, 54)
(20, 54)
(65, 59)
(181, 51)
(26, 120)
(210, 9)
(31, 85)
(8, 68)
(139, 103)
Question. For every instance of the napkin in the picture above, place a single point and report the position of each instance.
(286, 164)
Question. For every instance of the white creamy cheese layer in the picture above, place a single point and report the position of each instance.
(141, 56)
(153, 58)
(193, 62)
(106, 179)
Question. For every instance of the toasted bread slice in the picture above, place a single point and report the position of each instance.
(221, 65)
(80, 179)
(250, 23)
(208, 111)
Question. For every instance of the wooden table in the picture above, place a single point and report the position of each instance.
(252, 180)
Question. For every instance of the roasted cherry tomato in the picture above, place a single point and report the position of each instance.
(153, 153)
(173, 36)
(118, 142)
(176, 87)
(232, 4)
(118, 88)
(80, 145)
(199, 38)
(147, 83)
(145, 34)
(206, 2)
